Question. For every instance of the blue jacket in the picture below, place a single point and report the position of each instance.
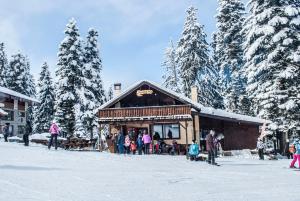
(139, 142)
(297, 147)
(194, 149)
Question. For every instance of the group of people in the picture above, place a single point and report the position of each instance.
(28, 130)
(126, 144)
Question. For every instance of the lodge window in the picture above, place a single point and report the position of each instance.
(167, 131)
(9, 116)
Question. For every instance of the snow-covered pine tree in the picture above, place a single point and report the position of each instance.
(194, 63)
(79, 130)
(228, 53)
(16, 78)
(272, 61)
(171, 75)
(93, 92)
(45, 110)
(3, 65)
(110, 94)
(69, 76)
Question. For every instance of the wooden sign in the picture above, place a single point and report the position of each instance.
(144, 92)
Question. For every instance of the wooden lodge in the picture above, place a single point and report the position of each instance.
(171, 116)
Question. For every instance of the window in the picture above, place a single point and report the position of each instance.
(9, 116)
(166, 131)
(21, 130)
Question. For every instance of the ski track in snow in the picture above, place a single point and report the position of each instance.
(35, 173)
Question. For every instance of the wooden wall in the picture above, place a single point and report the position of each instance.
(237, 135)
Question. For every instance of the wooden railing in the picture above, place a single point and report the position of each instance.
(145, 111)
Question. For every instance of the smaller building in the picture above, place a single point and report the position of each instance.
(147, 106)
(13, 110)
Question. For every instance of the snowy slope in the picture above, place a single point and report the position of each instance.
(37, 174)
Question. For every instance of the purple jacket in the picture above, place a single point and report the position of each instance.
(146, 139)
(210, 146)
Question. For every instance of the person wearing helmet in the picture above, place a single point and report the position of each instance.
(296, 155)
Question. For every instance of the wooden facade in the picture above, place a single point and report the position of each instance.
(145, 113)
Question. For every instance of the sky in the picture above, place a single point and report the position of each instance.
(133, 34)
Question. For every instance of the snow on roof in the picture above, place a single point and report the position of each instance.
(17, 94)
(2, 112)
(204, 111)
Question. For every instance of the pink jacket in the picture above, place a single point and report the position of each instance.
(54, 129)
(146, 138)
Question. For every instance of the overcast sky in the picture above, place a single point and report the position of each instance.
(133, 33)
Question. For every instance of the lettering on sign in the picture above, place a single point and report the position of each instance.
(144, 92)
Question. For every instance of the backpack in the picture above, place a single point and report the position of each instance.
(292, 149)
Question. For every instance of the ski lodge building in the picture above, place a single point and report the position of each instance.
(151, 107)
(13, 107)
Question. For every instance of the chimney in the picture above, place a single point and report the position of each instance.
(194, 93)
(117, 89)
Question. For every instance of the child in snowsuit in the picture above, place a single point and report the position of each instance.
(127, 144)
(260, 147)
(193, 150)
(296, 155)
(133, 147)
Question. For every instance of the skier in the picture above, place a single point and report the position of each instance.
(6, 132)
(121, 142)
(193, 150)
(54, 130)
(127, 144)
(28, 131)
(147, 141)
(210, 147)
(296, 155)
(260, 147)
(139, 143)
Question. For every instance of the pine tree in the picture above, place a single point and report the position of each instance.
(79, 130)
(3, 65)
(17, 74)
(69, 74)
(110, 94)
(171, 76)
(93, 92)
(272, 61)
(228, 53)
(45, 110)
(194, 63)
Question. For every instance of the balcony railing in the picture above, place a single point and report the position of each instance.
(162, 112)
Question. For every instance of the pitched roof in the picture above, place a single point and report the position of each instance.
(17, 94)
(203, 111)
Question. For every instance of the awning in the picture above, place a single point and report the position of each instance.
(2, 112)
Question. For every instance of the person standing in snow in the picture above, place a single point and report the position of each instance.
(139, 143)
(28, 131)
(121, 142)
(127, 144)
(6, 132)
(210, 147)
(296, 155)
(193, 150)
(54, 130)
(260, 147)
(147, 141)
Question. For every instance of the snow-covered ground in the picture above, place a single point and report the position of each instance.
(35, 173)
